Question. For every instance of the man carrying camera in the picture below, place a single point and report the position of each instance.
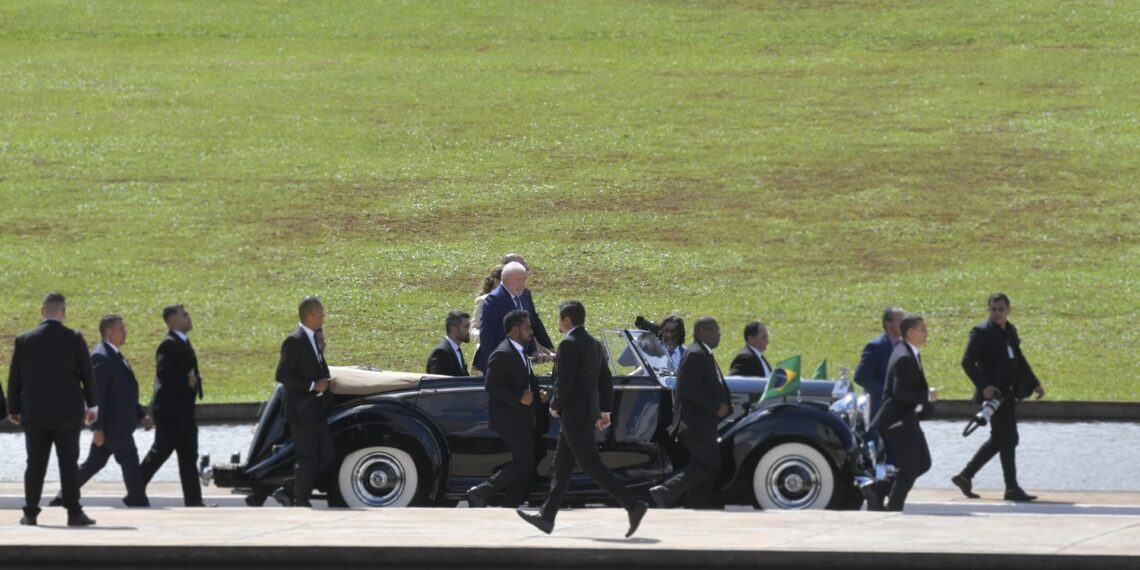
(996, 365)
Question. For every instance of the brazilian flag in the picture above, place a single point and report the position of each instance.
(820, 371)
(784, 380)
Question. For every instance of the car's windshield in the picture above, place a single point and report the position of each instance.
(631, 358)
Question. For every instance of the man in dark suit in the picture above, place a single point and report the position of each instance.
(177, 387)
(513, 391)
(997, 367)
(50, 384)
(871, 372)
(906, 399)
(304, 373)
(750, 360)
(700, 400)
(510, 295)
(583, 399)
(119, 414)
(447, 357)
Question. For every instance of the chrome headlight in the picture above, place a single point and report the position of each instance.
(845, 408)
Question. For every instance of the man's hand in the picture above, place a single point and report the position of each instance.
(90, 417)
(604, 421)
(14, 418)
(193, 378)
(98, 438)
(148, 423)
(544, 396)
(1040, 391)
(933, 395)
(553, 413)
(527, 398)
(723, 411)
(990, 392)
(322, 384)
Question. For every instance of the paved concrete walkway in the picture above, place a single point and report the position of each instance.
(939, 529)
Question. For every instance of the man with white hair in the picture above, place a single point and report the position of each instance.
(510, 295)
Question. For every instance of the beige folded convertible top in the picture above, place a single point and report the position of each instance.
(362, 381)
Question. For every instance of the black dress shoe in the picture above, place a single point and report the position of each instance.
(660, 495)
(28, 520)
(56, 502)
(78, 518)
(965, 485)
(283, 498)
(537, 520)
(874, 500)
(635, 515)
(478, 496)
(1017, 494)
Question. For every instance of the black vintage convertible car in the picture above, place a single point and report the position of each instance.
(406, 439)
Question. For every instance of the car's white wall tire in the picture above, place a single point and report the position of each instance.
(376, 477)
(793, 476)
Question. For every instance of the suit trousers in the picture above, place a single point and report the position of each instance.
(1003, 440)
(698, 478)
(576, 445)
(912, 458)
(314, 451)
(175, 435)
(516, 476)
(121, 446)
(38, 443)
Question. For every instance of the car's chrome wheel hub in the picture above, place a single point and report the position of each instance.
(378, 479)
(793, 482)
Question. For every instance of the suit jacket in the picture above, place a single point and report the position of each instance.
(906, 389)
(506, 379)
(175, 359)
(50, 382)
(987, 362)
(871, 372)
(496, 306)
(746, 363)
(118, 389)
(583, 384)
(297, 370)
(443, 360)
(700, 392)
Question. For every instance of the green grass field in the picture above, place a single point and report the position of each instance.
(805, 163)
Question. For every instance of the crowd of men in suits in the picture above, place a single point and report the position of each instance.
(56, 386)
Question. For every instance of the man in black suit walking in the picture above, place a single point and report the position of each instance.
(119, 414)
(513, 390)
(177, 387)
(906, 399)
(304, 373)
(49, 386)
(583, 399)
(997, 367)
(750, 360)
(700, 400)
(447, 357)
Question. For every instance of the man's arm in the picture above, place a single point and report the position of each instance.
(86, 376)
(909, 387)
(605, 383)
(100, 366)
(287, 367)
(739, 366)
(14, 386)
(492, 321)
(566, 363)
(863, 369)
(171, 366)
(436, 363)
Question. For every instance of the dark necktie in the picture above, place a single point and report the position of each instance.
(518, 303)
(462, 363)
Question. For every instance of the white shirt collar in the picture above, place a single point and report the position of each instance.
(308, 331)
(518, 347)
(180, 335)
(112, 345)
(572, 329)
(707, 349)
(758, 354)
(454, 346)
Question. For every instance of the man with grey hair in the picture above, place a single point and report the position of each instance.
(871, 372)
(510, 295)
(51, 393)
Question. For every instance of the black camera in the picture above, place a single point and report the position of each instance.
(983, 416)
(647, 325)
